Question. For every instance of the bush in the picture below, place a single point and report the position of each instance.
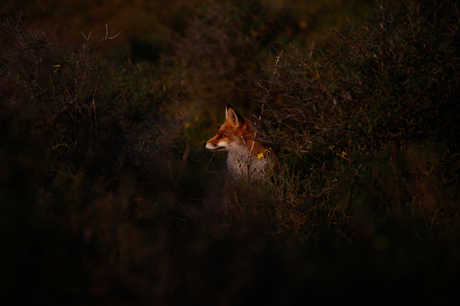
(85, 149)
(368, 126)
(106, 198)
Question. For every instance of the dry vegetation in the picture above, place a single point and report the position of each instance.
(106, 195)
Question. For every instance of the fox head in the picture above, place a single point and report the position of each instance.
(235, 134)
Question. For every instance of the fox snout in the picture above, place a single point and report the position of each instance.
(220, 146)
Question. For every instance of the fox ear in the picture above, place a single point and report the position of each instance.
(232, 116)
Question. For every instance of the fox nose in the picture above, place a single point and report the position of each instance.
(204, 144)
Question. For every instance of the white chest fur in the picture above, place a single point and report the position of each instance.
(243, 167)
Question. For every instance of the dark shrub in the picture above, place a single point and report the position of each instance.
(368, 126)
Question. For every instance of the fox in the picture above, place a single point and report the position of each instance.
(249, 159)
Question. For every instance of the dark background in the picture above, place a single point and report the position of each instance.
(108, 197)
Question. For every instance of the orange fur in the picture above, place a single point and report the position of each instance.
(248, 159)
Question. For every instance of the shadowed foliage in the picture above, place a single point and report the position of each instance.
(108, 197)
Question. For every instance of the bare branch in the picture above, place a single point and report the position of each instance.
(107, 34)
